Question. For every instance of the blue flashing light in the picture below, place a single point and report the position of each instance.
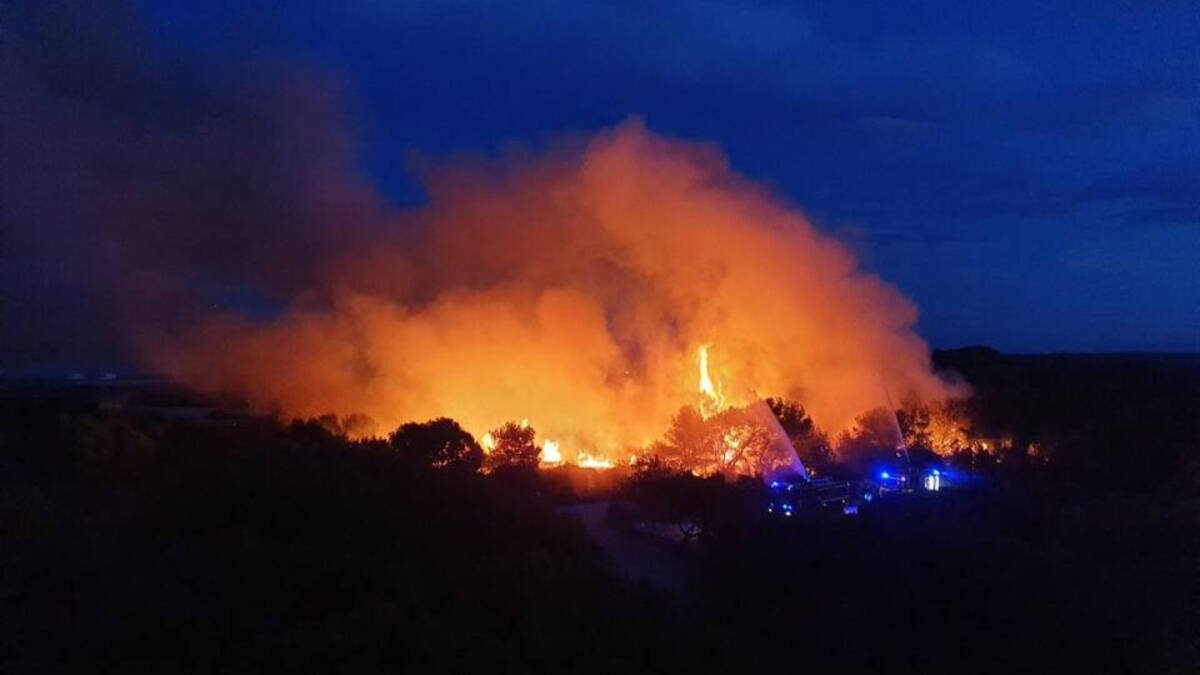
(936, 472)
(774, 483)
(933, 481)
(885, 475)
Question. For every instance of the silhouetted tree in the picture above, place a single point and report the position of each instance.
(811, 445)
(875, 438)
(696, 506)
(874, 430)
(439, 443)
(792, 417)
(512, 446)
(355, 425)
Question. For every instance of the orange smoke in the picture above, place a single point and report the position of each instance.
(577, 289)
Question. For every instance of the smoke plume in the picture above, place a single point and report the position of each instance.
(574, 289)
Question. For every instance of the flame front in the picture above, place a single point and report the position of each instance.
(587, 461)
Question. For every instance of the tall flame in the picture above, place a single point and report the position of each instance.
(714, 398)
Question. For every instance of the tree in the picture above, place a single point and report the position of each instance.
(736, 441)
(691, 442)
(439, 443)
(792, 417)
(875, 439)
(875, 429)
(512, 446)
(355, 425)
(696, 506)
(810, 444)
(915, 419)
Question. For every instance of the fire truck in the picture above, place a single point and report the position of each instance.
(798, 492)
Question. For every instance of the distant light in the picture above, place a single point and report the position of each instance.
(936, 472)
(885, 475)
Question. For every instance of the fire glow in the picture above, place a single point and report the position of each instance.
(592, 289)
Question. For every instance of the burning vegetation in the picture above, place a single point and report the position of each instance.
(626, 295)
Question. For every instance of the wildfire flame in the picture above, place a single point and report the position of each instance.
(587, 461)
(573, 288)
(550, 453)
(714, 398)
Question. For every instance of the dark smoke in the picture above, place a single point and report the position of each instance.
(137, 192)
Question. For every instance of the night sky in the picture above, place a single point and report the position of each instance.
(1028, 173)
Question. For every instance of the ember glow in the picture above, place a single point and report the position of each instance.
(580, 289)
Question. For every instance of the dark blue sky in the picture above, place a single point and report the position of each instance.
(1029, 173)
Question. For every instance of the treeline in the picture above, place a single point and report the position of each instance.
(141, 546)
(1115, 422)
(134, 543)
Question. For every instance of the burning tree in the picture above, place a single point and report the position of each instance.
(714, 437)
(734, 441)
(946, 428)
(511, 445)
